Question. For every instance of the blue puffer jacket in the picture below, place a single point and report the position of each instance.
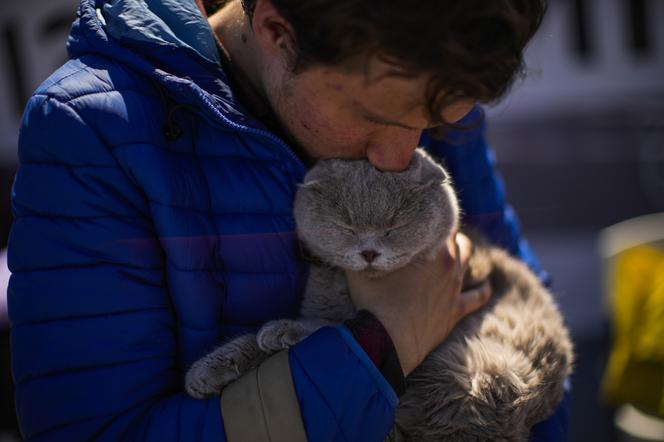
(153, 220)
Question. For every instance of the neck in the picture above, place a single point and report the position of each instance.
(237, 42)
(241, 59)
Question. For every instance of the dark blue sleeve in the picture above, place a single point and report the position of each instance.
(92, 338)
(472, 164)
(342, 395)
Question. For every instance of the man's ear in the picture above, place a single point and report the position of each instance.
(274, 33)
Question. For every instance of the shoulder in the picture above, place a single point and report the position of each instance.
(85, 107)
(97, 92)
(91, 75)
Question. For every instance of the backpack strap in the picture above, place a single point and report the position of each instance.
(262, 405)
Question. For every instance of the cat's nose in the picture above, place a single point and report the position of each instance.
(369, 255)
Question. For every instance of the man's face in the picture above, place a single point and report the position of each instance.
(337, 113)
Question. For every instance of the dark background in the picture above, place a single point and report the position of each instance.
(580, 144)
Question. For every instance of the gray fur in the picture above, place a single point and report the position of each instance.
(498, 373)
(345, 207)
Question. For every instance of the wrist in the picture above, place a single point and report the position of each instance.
(372, 336)
(404, 340)
(407, 357)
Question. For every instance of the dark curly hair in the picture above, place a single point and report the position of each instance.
(470, 48)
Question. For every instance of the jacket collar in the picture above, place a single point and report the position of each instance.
(168, 41)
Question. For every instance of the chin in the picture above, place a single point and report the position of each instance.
(390, 266)
(372, 272)
(350, 265)
(380, 269)
(368, 270)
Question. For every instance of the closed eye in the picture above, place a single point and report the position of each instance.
(393, 229)
(345, 227)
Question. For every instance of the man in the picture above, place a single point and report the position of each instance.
(153, 208)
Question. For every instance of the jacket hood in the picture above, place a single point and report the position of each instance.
(168, 41)
(175, 22)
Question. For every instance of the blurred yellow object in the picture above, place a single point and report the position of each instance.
(635, 371)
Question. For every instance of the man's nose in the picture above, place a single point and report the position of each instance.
(393, 152)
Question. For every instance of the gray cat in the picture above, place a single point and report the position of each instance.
(502, 368)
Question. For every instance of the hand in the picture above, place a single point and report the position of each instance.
(420, 304)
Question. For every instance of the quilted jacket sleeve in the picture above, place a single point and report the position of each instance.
(93, 343)
(92, 328)
(471, 162)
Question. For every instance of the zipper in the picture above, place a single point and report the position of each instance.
(254, 131)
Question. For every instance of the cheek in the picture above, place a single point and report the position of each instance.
(330, 239)
(327, 127)
(322, 128)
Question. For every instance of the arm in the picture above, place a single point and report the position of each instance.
(93, 328)
(472, 164)
(93, 346)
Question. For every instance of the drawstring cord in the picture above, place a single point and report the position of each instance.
(171, 129)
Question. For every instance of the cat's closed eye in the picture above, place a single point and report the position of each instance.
(391, 230)
(346, 228)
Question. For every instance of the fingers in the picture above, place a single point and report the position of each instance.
(474, 299)
(465, 249)
(457, 254)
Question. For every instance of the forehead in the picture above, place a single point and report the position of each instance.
(381, 89)
(377, 85)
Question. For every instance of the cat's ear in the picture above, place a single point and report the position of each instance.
(322, 170)
(434, 174)
(341, 168)
(426, 171)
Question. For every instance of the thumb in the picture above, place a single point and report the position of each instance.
(474, 299)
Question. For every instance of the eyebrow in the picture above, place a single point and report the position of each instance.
(381, 120)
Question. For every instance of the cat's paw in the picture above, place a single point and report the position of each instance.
(280, 335)
(210, 374)
(207, 378)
